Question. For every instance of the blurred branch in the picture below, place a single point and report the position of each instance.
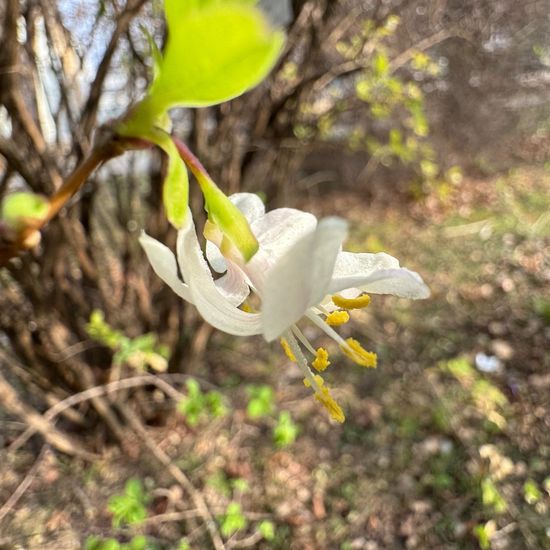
(11, 91)
(11, 402)
(89, 114)
(25, 167)
(23, 486)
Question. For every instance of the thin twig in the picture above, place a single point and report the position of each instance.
(179, 476)
(23, 486)
(11, 401)
(92, 393)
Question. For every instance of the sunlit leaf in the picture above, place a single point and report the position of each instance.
(216, 51)
(19, 209)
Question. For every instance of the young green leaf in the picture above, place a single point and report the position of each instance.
(233, 520)
(19, 209)
(286, 431)
(175, 189)
(216, 51)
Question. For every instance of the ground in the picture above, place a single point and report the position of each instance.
(435, 453)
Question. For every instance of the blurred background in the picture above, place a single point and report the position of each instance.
(426, 125)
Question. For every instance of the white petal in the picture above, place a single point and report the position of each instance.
(399, 282)
(233, 285)
(280, 229)
(351, 265)
(163, 262)
(376, 273)
(215, 258)
(249, 204)
(212, 305)
(301, 277)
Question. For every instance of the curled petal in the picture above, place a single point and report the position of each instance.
(399, 282)
(163, 262)
(233, 285)
(377, 273)
(215, 258)
(301, 277)
(212, 305)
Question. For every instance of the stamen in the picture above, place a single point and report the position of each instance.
(321, 362)
(303, 340)
(318, 379)
(353, 349)
(301, 360)
(351, 303)
(325, 328)
(322, 395)
(337, 318)
(335, 411)
(287, 350)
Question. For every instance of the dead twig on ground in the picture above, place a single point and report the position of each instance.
(9, 505)
(38, 423)
(179, 476)
(94, 393)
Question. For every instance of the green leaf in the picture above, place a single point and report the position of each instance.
(175, 189)
(267, 529)
(531, 492)
(216, 50)
(129, 508)
(233, 520)
(286, 431)
(19, 209)
(261, 401)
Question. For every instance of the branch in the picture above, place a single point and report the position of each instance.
(179, 476)
(23, 486)
(89, 113)
(38, 423)
(12, 95)
(24, 167)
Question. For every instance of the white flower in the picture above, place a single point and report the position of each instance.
(299, 271)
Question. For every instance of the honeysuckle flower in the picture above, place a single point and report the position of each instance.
(299, 272)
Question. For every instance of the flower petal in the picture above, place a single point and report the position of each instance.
(163, 262)
(377, 273)
(249, 204)
(233, 285)
(301, 277)
(215, 258)
(280, 229)
(212, 305)
(399, 282)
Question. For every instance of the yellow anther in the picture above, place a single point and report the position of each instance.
(321, 361)
(246, 308)
(337, 318)
(351, 303)
(353, 349)
(318, 379)
(330, 404)
(287, 350)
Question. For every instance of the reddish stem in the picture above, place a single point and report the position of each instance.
(192, 162)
